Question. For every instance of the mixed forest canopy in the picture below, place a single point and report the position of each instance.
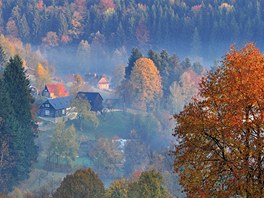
(154, 53)
(203, 28)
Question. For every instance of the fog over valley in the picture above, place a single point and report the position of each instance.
(131, 99)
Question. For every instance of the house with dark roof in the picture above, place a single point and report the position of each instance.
(94, 98)
(55, 90)
(55, 108)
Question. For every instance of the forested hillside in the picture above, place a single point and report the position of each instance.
(131, 98)
(199, 28)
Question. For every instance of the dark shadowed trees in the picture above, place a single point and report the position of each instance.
(2, 59)
(18, 129)
(135, 55)
(6, 159)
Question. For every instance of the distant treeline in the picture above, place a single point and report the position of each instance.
(193, 25)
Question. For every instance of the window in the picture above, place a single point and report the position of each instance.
(63, 111)
(47, 112)
(47, 105)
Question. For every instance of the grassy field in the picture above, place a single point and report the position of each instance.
(112, 124)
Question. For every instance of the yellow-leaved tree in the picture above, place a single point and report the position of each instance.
(145, 84)
(42, 76)
(220, 149)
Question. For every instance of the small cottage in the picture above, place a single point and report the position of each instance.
(103, 83)
(99, 81)
(55, 90)
(94, 98)
(55, 108)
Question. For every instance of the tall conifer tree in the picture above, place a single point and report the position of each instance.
(2, 59)
(135, 54)
(22, 129)
(6, 159)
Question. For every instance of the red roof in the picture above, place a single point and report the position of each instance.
(58, 89)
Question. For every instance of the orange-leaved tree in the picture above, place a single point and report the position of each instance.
(220, 149)
(145, 84)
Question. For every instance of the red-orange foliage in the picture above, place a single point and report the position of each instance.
(106, 4)
(196, 8)
(65, 39)
(136, 174)
(39, 4)
(60, 91)
(57, 90)
(51, 39)
(221, 136)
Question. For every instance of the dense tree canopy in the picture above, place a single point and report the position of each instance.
(82, 184)
(149, 184)
(83, 109)
(117, 189)
(188, 24)
(6, 160)
(145, 84)
(63, 146)
(221, 138)
(135, 54)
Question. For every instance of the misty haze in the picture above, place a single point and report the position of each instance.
(131, 99)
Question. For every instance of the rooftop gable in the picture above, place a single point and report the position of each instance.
(103, 80)
(60, 103)
(91, 96)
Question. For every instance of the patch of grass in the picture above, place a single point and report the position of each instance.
(110, 124)
(115, 124)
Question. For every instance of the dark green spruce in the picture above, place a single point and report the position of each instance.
(6, 158)
(2, 60)
(19, 127)
(135, 54)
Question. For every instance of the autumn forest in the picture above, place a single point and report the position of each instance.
(131, 99)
